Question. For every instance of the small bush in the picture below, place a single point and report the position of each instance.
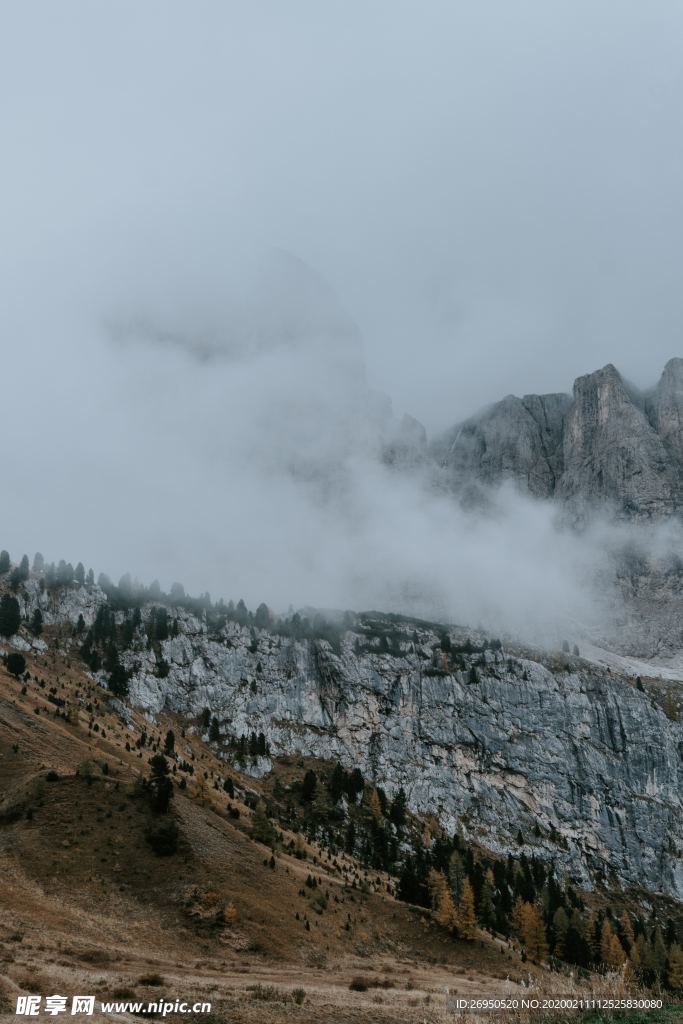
(16, 664)
(52, 776)
(155, 980)
(358, 985)
(162, 836)
(298, 995)
(265, 993)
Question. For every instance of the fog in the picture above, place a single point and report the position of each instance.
(240, 242)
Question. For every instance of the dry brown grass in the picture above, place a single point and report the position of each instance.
(86, 906)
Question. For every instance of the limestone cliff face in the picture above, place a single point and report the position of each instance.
(516, 439)
(605, 446)
(502, 745)
(667, 415)
(499, 742)
(612, 453)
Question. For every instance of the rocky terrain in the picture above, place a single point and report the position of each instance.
(607, 445)
(586, 766)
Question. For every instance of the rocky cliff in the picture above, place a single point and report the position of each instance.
(607, 445)
(521, 750)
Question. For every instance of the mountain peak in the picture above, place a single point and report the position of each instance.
(605, 444)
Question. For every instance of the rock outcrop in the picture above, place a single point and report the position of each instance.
(575, 758)
(607, 446)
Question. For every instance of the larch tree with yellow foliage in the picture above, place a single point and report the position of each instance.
(442, 901)
(530, 928)
(465, 916)
(628, 938)
(374, 806)
(612, 952)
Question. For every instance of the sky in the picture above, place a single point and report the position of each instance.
(228, 229)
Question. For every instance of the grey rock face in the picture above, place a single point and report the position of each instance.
(501, 744)
(606, 445)
(406, 447)
(516, 439)
(667, 407)
(612, 453)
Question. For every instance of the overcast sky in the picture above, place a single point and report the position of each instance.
(491, 190)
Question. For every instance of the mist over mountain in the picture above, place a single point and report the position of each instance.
(264, 255)
(235, 443)
(608, 445)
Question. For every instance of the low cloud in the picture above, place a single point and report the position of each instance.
(240, 453)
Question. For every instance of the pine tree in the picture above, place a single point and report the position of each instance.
(37, 622)
(16, 664)
(308, 786)
(336, 783)
(261, 828)
(4, 561)
(456, 875)
(466, 918)
(262, 617)
(485, 903)
(161, 787)
(576, 946)
(560, 928)
(10, 615)
(397, 811)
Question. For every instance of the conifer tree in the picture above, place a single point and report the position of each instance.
(560, 928)
(612, 953)
(636, 959)
(397, 811)
(10, 615)
(309, 786)
(626, 935)
(374, 806)
(485, 904)
(528, 924)
(456, 874)
(442, 901)
(466, 918)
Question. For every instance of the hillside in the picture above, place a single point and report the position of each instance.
(87, 905)
(305, 824)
